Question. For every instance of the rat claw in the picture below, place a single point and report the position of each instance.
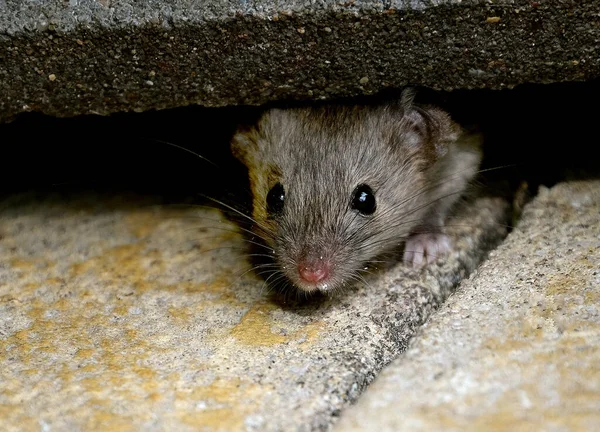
(423, 249)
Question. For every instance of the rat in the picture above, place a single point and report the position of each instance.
(336, 187)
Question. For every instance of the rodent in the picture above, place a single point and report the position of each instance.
(335, 187)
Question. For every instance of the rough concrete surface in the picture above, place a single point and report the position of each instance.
(518, 346)
(120, 315)
(86, 56)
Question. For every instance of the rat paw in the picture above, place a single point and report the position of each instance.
(423, 249)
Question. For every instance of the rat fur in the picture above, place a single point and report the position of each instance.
(414, 159)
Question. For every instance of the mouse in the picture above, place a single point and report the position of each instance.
(338, 186)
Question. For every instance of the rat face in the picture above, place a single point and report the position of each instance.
(336, 187)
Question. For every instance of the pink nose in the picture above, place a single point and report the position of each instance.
(313, 272)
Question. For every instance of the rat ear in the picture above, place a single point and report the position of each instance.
(244, 143)
(429, 128)
(249, 139)
(407, 98)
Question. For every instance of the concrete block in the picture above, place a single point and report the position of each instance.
(517, 347)
(78, 57)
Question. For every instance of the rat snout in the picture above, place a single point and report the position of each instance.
(315, 267)
(314, 270)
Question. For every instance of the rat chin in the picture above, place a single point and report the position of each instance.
(324, 286)
(313, 288)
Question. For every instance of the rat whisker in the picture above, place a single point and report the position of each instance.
(404, 214)
(204, 218)
(238, 248)
(237, 227)
(260, 255)
(208, 228)
(251, 219)
(391, 228)
(277, 273)
(217, 236)
(401, 238)
(268, 271)
(185, 150)
(240, 276)
(361, 279)
(432, 186)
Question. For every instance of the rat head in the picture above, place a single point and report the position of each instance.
(336, 187)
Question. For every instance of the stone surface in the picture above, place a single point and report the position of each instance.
(116, 314)
(87, 56)
(518, 346)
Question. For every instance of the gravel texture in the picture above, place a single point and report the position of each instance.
(116, 314)
(75, 57)
(518, 346)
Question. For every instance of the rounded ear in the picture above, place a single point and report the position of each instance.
(244, 143)
(407, 97)
(429, 127)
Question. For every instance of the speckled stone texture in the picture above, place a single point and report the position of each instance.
(117, 314)
(101, 56)
(517, 348)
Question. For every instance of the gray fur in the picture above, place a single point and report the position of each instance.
(407, 154)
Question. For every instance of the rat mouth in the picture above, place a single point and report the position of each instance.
(313, 288)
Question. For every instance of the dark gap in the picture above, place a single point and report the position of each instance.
(544, 132)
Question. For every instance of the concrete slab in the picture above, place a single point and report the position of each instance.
(518, 346)
(116, 314)
(102, 56)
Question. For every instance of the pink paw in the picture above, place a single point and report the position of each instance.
(423, 249)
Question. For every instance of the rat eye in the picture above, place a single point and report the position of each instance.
(275, 199)
(363, 199)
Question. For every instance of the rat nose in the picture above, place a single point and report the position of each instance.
(314, 272)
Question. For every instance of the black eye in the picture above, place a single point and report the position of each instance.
(275, 199)
(363, 199)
